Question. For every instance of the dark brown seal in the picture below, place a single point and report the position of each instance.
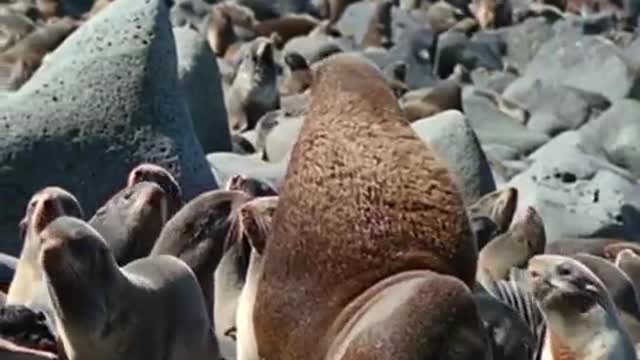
(45, 206)
(197, 233)
(132, 219)
(365, 208)
(287, 26)
(159, 175)
(150, 309)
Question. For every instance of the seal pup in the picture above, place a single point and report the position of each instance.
(254, 90)
(621, 289)
(240, 268)
(499, 206)
(593, 246)
(13, 28)
(445, 95)
(582, 321)
(251, 186)
(24, 57)
(629, 262)
(287, 26)
(611, 251)
(132, 219)
(162, 177)
(514, 248)
(44, 206)
(196, 235)
(223, 19)
(379, 31)
(150, 309)
(297, 77)
(390, 221)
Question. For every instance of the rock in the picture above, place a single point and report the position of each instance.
(554, 108)
(225, 164)
(355, 20)
(617, 132)
(416, 49)
(590, 63)
(199, 78)
(566, 142)
(524, 40)
(495, 127)
(579, 195)
(496, 81)
(455, 48)
(451, 136)
(106, 100)
(281, 139)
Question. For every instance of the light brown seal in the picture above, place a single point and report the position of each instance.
(287, 26)
(161, 176)
(422, 103)
(582, 321)
(254, 90)
(593, 246)
(525, 239)
(368, 218)
(197, 233)
(499, 206)
(132, 219)
(44, 206)
(629, 262)
(151, 309)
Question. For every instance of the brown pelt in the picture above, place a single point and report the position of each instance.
(364, 199)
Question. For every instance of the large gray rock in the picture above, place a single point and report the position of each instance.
(524, 40)
(225, 165)
(555, 108)
(617, 132)
(590, 63)
(199, 78)
(279, 142)
(106, 100)
(451, 136)
(579, 195)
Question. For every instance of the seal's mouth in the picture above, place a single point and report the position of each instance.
(551, 292)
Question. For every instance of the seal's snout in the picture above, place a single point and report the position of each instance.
(47, 209)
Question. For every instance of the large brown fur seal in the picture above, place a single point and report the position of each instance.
(196, 235)
(132, 219)
(45, 206)
(366, 213)
(151, 309)
(582, 321)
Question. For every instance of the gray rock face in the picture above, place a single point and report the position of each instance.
(617, 132)
(106, 100)
(590, 63)
(199, 78)
(579, 195)
(281, 139)
(554, 108)
(225, 164)
(451, 136)
(524, 40)
(190, 13)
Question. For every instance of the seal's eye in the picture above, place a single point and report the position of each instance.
(564, 270)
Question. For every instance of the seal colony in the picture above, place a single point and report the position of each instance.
(333, 231)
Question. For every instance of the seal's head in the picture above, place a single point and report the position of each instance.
(162, 177)
(45, 206)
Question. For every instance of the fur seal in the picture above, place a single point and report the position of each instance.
(484, 230)
(251, 186)
(13, 28)
(620, 288)
(44, 206)
(254, 90)
(221, 29)
(582, 322)
(24, 327)
(240, 267)
(287, 26)
(514, 248)
(570, 246)
(132, 219)
(442, 16)
(11, 351)
(298, 77)
(611, 251)
(20, 61)
(379, 32)
(196, 235)
(150, 309)
(162, 177)
(376, 232)
(499, 206)
(422, 103)
(629, 262)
